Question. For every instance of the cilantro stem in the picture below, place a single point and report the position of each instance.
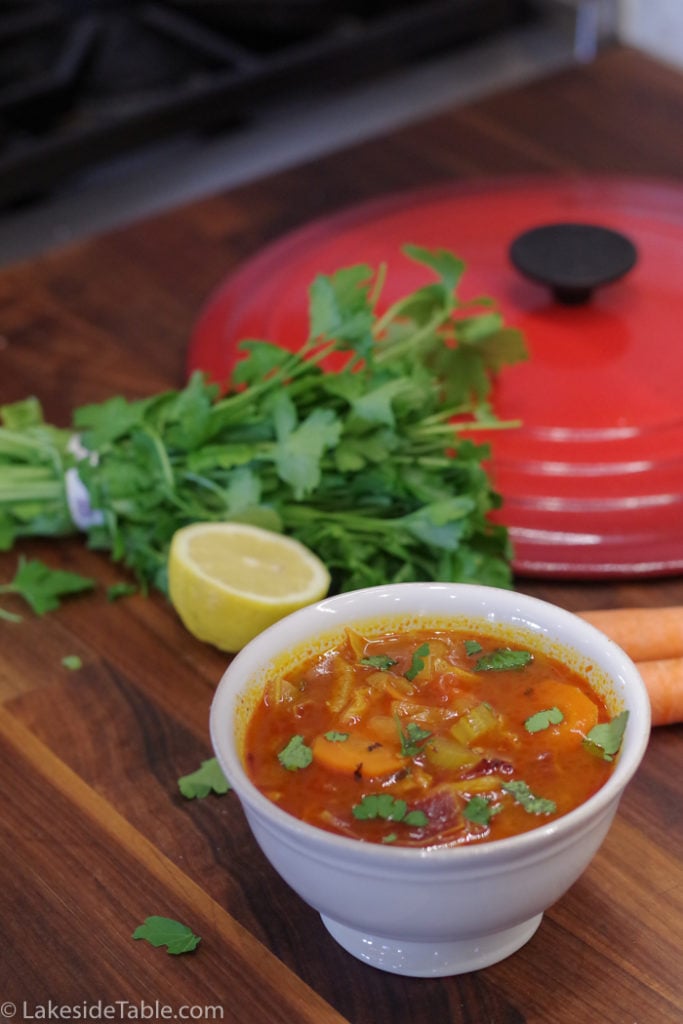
(411, 343)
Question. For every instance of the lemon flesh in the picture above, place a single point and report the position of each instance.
(229, 581)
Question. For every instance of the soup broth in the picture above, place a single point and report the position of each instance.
(429, 737)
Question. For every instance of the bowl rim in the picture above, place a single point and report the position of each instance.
(270, 643)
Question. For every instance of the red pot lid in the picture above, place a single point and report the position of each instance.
(592, 482)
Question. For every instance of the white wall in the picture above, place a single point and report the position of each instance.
(655, 26)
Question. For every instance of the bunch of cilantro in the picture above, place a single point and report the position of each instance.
(367, 463)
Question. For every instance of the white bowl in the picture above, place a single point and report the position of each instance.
(432, 911)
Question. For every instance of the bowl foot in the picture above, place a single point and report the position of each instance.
(432, 959)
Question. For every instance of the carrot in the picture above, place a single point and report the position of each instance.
(646, 634)
(356, 754)
(579, 712)
(663, 678)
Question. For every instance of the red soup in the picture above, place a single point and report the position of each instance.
(430, 736)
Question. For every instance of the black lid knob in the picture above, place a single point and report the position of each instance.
(573, 259)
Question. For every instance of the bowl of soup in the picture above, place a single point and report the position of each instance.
(430, 766)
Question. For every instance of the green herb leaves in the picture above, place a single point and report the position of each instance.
(387, 807)
(522, 795)
(480, 810)
(368, 465)
(604, 740)
(42, 587)
(418, 661)
(208, 778)
(543, 720)
(502, 660)
(295, 755)
(164, 931)
(412, 738)
(382, 662)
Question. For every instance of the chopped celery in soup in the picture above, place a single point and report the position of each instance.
(429, 737)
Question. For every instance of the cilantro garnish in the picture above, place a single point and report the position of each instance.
(480, 810)
(502, 660)
(412, 738)
(473, 647)
(379, 661)
(336, 737)
(72, 662)
(418, 661)
(208, 778)
(604, 739)
(388, 808)
(42, 587)
(164, 931)
(522, 795)
(543, 719)
(295, 755)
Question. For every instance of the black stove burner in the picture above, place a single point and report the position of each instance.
(84, 80)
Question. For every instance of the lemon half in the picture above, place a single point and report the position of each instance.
(229, 581)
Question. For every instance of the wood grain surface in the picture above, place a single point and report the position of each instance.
(94, 835)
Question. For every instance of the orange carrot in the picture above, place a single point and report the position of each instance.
(579, 712)
(663, 679)
(356, 754)
(646, 634)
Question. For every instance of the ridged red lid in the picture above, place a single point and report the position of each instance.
(592, 481)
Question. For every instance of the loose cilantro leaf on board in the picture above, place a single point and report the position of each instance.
(418, 661)
(295, 755)
(543, 719)
(605, 739)
(208, 778)
(412, 738)
(379, 661)
(336, 737)
(473, 647)
(388, 808)
(480, 810)
(502, 660)
(164, 931)
(42, 587)
(522, 795)
(72, 662)
(118, 590)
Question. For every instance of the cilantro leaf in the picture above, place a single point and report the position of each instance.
(522, 795)
(543, 719)
(295, 755)
(379, 661)
(336, 737)
(340, 308)
(418, 661)
(42, 587)
(300, 447)
(502, 660)
(605, 738)
(388, 808)
(417, 818)
(208, 778)
(480, 810)
(473, 647)
(164, 931)
(72, 662)
(118, 590)
(412, 738)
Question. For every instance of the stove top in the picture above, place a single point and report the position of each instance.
(85, 80)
